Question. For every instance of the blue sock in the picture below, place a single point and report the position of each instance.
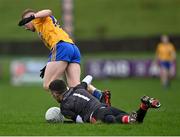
(97, 93)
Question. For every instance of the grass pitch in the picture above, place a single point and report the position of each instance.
(94, 19)
(22, 110)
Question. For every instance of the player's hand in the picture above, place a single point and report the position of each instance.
(42, 71)
(26, 20)
(79, 119)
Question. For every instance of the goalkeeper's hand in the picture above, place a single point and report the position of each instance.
(26, 20)
(42, 71)
(79, 119)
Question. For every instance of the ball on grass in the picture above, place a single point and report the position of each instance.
(53, 115)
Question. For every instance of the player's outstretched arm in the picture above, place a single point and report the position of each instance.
(43, 13)
(39, 14)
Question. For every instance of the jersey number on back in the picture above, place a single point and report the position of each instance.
(81, 96)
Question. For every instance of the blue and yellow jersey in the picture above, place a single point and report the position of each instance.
(165, 52)
(50, 32)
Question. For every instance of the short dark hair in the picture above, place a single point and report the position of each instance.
(58, 86)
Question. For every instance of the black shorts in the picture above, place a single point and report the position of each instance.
(101, 112)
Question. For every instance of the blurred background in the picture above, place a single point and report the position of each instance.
(117, 39)
(110, 29)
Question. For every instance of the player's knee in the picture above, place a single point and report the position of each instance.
(109, 119)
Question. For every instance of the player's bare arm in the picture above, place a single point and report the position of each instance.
(32, 15)
(43, 13)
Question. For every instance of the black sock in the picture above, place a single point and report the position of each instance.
(141, 114)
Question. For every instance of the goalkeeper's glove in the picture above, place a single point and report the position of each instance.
(26, 20)
(79, 119)
(42, 71)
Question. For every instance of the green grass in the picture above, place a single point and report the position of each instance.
(23, 108)
(126, 18)
(116, 18)
(11, 14)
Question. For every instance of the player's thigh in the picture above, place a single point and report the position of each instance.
(164, 71)
(164, 74)
(171, 71)
(73, 73)
(54, 70)
(117, 111)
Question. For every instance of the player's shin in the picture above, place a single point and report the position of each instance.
(141, 113)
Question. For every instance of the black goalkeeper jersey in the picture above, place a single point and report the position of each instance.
(78, 101)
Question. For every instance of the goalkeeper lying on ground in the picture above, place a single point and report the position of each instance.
(77, 102)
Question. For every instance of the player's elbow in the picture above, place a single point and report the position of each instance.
(49, 12)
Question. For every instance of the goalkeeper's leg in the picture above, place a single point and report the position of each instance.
(146, 103)
(102, 96)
